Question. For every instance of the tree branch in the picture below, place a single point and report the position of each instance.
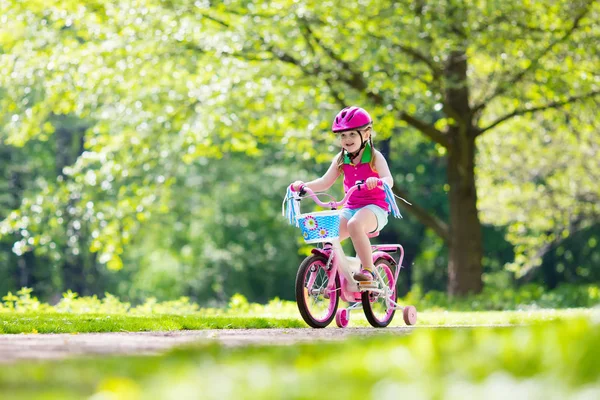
(354, 78)
(425, 217)
(534, 63)
(218, 21)
(418, 56)
(337, 95)
(306, 33)
(425, 128)
(575, 226)
(356, 81)
(523, 111)
(435, 69)
(415, 54)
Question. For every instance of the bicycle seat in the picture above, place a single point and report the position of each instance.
(372, 235)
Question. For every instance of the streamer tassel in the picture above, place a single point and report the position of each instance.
(290, 208)
(390, 199)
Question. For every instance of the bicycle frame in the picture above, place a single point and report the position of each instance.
(338, 262)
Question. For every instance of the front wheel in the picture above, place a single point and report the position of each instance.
(316, 305)
(375, 305)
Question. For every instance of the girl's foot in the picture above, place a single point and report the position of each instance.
(366, 275)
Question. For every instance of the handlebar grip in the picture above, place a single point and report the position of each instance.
(301, 191)
(359, 184)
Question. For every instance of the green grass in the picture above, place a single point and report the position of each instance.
(43, 322)
(53, 322)
(550, 360)
(445, 318)
(81, 323)
(23, 313)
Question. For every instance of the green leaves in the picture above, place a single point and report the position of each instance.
(541, 181)
(150, 90)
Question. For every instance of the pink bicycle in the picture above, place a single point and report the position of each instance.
(327, 274)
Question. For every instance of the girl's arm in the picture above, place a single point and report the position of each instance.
(383, 170)
(323, 183)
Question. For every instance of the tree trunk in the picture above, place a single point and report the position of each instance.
(466, 247)
(466, 250)
(69, 146)
(26, 261)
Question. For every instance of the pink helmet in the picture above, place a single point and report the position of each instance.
(351, 118)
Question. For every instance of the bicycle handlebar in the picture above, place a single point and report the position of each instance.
(334, 204)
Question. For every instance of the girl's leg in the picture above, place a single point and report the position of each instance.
(363, 222)
(344, 229)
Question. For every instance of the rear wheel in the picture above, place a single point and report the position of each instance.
(374, 304)
(315, 304)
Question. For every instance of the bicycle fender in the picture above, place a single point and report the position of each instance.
(323, 252)
(381, 254)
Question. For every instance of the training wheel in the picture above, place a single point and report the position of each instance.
(342, 317)
(410, 315)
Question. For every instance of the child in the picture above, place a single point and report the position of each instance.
(367, 210)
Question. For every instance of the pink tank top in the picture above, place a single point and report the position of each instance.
(363, 197)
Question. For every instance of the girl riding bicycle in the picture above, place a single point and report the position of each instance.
(367, 210)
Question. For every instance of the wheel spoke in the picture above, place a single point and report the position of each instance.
(379, 304)
(316, 281)
(377, 307)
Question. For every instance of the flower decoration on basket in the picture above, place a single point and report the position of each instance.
(310, 223)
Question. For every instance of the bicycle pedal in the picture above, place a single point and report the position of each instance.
(367, 284)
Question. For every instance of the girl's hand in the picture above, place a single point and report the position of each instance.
(296, 185)
(372, 183)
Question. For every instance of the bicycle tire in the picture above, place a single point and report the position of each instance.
(367, 303)
(301, 300)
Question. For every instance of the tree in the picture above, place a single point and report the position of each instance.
(481, 64)
(178, 80)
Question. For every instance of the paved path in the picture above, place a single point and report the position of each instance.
(55, 346)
